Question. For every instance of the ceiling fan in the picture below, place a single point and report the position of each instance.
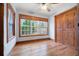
(47, 6)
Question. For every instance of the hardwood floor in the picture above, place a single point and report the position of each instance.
(42, 48)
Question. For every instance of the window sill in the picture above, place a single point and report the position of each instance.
(35, 35)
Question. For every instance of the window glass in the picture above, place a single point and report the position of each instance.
(10, 24)
(25, 27)
(32, 27)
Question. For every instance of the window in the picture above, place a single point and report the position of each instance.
(32, 27)
(25, 27)
(10, 22)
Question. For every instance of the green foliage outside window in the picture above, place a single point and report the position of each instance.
(32, 27)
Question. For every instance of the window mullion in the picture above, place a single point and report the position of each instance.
(30, 27)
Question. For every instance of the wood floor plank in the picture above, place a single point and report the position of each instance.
(42, 48)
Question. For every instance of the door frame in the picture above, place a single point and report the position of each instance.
(1, 29)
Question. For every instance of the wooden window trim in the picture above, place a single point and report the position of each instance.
(8, 6)
(21, 16)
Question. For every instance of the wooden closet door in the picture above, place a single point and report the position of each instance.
(59, 28)
(64, 31)
(77, 28)
(69, 28)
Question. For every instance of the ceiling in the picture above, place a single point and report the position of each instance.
(35, 8)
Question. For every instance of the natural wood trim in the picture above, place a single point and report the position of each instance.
(8, 6)
(7, 20)
(1, 29)
(19, 25)
(30, 17)
(14, 24)
(33, 17)
(55, 30)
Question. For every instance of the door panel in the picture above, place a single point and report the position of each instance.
(59, 36)
(65, 38)
(70, 17)
(59, 28)
(71, 38)
(65, 27)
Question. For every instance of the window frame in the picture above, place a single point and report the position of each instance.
(20, 28)
(20, 17)
(9, 7)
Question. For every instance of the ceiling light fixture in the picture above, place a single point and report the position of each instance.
(44, 6)
(47, 6)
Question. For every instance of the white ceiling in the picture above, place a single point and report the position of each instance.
(35, 8)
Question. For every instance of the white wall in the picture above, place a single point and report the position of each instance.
(52, 27)
(7, 46)
(65, 7)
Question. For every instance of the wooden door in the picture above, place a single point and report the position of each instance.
(69, 27)
(1, 27)
(59, 28)
(77, 29)
(65, 27)
(64, 31)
